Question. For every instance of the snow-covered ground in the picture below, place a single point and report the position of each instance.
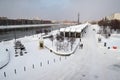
(4, 55)
(111, 42)
(89, 63)
(65, 49)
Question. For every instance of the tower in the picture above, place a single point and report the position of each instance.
(78, 18)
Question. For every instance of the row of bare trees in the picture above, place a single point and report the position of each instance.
(108, 25)
(61, 45)
(113, 24)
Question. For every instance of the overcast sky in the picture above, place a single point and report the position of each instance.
(59, 9)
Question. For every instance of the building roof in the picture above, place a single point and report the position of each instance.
(75, 28)
(67, 29)
(62, 29)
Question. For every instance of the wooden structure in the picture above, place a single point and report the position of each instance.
(41, 43)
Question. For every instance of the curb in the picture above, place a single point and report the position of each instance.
(7, 62)
(61, 53)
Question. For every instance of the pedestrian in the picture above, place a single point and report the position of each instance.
(105, 44)
(80, 39)
(99, 39)
(81, 45)
(6, 49)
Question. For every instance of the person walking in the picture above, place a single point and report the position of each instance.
(81, 46)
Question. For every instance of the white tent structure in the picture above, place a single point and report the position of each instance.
(62, 31)
(74, 31)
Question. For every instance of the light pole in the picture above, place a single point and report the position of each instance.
(78, 18)
(15, 34)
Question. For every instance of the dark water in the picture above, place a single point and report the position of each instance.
(9, 35)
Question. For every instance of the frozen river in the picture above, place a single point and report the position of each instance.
(9, 35)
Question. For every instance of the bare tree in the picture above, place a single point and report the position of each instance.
(72, 40)
(46, 31)
(51, 38)
(59, 39)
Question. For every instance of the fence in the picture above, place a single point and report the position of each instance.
(33, 66)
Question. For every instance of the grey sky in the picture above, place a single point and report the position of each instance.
(59, 9)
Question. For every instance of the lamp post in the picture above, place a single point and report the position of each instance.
(15, 34)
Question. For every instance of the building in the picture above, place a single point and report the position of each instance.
(6, 21)
(76, 31)
(114, 16)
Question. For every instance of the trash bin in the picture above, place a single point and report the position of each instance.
(41, 43)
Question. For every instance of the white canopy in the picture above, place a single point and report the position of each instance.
(75, 28)
(62, 29)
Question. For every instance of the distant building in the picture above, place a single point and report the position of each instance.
(114, 16)
(6, 21)
(65, 22)
(3, 18)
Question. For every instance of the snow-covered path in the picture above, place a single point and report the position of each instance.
(89, 63)
(96, 63)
